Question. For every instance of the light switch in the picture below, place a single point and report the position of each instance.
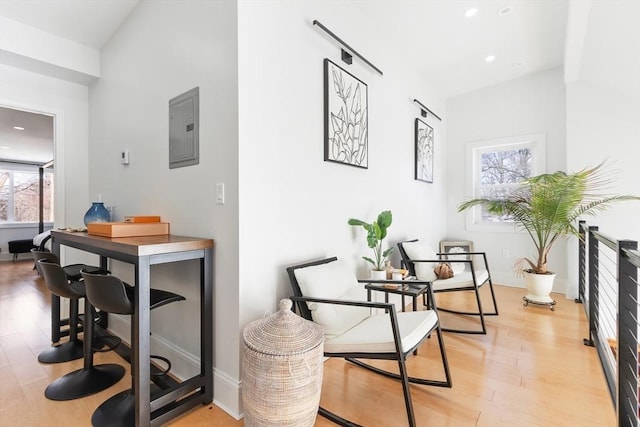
(220, 193)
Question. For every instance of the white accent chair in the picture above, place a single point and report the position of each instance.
(327, 293)
(420, 260)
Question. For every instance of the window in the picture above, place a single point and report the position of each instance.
(497, 169)
(20, 196)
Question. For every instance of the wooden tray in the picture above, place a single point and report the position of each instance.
(127, 229)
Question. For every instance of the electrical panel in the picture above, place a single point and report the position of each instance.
(184, 129)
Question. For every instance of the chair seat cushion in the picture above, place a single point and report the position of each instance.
(463, 280)
(418, 251)
(333, 280)
(374, 334)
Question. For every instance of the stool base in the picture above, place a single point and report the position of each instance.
(70, 350)
(119, 410)
(84, 382)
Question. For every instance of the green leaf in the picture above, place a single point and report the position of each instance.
(354, 221)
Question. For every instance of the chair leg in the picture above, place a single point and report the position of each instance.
(336, 419)
(484, 327)
(407, 392)
(443, 355)
(493, 298)
(479, 313)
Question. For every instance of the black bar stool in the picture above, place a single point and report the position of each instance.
(109, 293)
(90, 379)
(72, 349)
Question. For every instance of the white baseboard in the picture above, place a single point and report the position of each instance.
(508, 279)
(227, 393)
(7, 256)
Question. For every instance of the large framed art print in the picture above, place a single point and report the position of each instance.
(346, 121)
(424, 152)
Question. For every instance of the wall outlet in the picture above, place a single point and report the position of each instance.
(505, 253)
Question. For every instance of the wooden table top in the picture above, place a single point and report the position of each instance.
(138, 245)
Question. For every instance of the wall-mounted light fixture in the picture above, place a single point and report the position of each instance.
(347, 51)
(424, 110)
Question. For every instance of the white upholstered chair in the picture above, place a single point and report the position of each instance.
(327, 293)
(421, 261)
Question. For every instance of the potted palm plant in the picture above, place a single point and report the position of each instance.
(547, 207)
(376, 232)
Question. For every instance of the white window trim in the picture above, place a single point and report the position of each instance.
(7, 225)
(11, 223)
(538, 141)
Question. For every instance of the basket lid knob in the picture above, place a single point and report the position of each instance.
(283, 333)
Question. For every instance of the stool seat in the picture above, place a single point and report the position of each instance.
(72, 270)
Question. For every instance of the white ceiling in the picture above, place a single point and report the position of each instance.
(448, 48)
(33, 144)
(88, 22)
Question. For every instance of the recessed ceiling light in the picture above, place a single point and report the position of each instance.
(490, 58)
(505, 10)
(18, 128)
(4, 147)
(470, 12)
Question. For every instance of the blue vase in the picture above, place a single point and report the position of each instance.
(97, 213)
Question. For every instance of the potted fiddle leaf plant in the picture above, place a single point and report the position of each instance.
(547, 207)
(376, 232)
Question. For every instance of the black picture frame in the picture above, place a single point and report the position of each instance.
(346, 117)
(424, 142)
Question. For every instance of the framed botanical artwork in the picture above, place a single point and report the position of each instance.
(457, 250)
(346, 122)
(424, 152)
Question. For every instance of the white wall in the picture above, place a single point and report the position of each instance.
(68, 103)
(531, 104)
(603, 115)
(603, 124)
(162, 50)
(294, 206)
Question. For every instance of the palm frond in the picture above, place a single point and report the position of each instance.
(547, 206)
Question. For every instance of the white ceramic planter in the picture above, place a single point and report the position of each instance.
(539, 287)
(378, 275)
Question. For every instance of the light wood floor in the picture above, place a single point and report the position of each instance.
(530, 370)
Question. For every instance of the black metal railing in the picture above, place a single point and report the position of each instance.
(608, 287)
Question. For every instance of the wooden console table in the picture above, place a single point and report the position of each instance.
(143, 252)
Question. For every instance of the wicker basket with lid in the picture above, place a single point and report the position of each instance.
(282, 370)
